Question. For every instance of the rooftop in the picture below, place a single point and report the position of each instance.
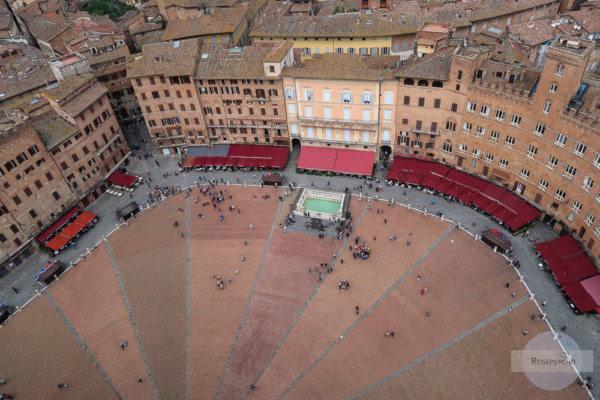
(534, 32)
(572, 45)
(434, 66)
(218, 62)
(53, 129)
(166, 58)
(76, 93)
(222, 20)
(356, 67)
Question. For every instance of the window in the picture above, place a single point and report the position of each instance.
(33, 213)
(308, 96)
(292, 108)
(55, 195)
(560, 194)
(462, 148)
(311, 132)
(576, 206)
(560, 69)
(437, 103)
(327, 113)
(525, 173)
(543, 184)
(421, 101)
(570, 171)
(454, 107)
(553, 88)
(49, 176)
(306, 51)
(588, 183)
(366, 115)
(366, 136)
(489, 157)
(326, 95)
(418, 125)
(509, 141)
(308, 111)
(346, 114)
(14, 228)
(547, 106)
(494, 136)
(467, 126)
(17, 199)
(389, 97)
(485, 110)
(10, 165)
(28, 191)
(387, 115)
(367, 98)
(447, 147)
(155, 95)
(580, 149)
(451, 126)
(532, 151)
(480, 131)
(503, 163)
(539, 129)
(32, 150)
(597, 160)
(561, 139)
(552, 162)
(471, 107)
(500, 115)
(346, 97)
(406, 100)
(38, 184)
(294, 129)
(515, 120)
(597, 231)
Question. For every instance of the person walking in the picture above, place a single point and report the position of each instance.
(15, 289)
(123, 345)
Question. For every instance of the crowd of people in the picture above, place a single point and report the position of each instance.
(159, 193)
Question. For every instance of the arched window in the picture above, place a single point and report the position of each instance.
(423, 82)
(437, 84)
(409, 82)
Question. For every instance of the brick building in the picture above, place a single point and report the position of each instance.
(192, 93)
(32, 190)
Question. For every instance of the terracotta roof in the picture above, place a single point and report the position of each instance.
(53, 129)
(222, 20)
(199, 3)
(356, 67)
(588, 19)
(273, 24)
(43, 29)
(123, 19)
(76, 93)
(279, 51)
(218, 62)
(510, 52)
(148, 38)
(486, 9)
(534, 32)
(117, 53)
(166, 58)
(24, 73)
(434, 66)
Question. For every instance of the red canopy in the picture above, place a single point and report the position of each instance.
(317, 158)
(580, 296)
(59, 223)
(188, 162)
(57, 242)
(122, 179)
(592, 287)
(516, 212)
(85, 218)
(354, 162)
(71, 230)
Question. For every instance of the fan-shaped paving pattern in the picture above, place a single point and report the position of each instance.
(275, 324)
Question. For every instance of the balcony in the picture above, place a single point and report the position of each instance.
(337, 122)
(425, 132)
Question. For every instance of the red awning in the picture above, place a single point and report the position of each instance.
(455, 190)
(580, 296)
(59, 223)
(354, 162)
(188, 162)
(592, 287)
(317, 158)
(71, 230)
(413, 178)
(468, 195)
(431, 180)
(85, 218)
(57, 242)
(122, 179)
